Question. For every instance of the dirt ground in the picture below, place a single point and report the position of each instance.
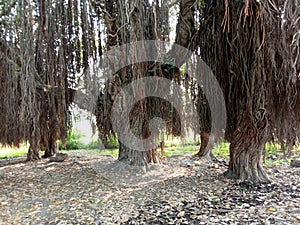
(89, 189)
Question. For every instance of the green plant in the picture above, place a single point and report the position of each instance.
(222, 149)
(276, 162)
(94, 144)
(73, 141)
(272, 148)
(181, 150)
(111, 142)
(101, 151)
(12, 154)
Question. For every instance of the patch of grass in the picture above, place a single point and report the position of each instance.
(112, 142)
(272, 148)
(13, 154)
(190, 142)
(93, 145)
(222, 149)
(276, 162)
(172, 147)
(10, 152)
(181, 150)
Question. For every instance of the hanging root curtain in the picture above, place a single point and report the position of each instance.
(138, 21)
(42, 46)
(253, 49)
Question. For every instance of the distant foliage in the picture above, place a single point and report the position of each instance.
(111, 142)
(73, 141)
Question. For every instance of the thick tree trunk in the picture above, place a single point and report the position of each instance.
(33, 151)
(139, 157)
(132, 157)
(185, 31)
(246, 161)
(143, 27)
(206, 148)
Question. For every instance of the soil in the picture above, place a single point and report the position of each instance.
(88, 189)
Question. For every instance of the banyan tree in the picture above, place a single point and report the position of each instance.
(43, 45)
(48, 46)
(47, 49)
(133, 22)
(253, 49)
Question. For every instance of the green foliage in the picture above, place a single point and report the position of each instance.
(272, 148)
(93, 145)
(276, 162)
(201, 2)
(190, 142)
(111, 142)
(181, 150)
(104, 152)
(222, 149)
(93, 151)
(73, 141)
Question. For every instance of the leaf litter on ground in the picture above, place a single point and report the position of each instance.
(89, 189)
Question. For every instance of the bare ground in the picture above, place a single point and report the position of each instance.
(89, 189)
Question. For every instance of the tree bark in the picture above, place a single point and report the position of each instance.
(132, 157)
(206, 148)
(246, 161)
(141, 157)
(153, 156)
(33, 151)
(51, 150)
(143, 28)
(185, 31)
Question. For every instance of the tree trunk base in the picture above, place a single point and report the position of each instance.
(246, 163)
(255, 177)
(208, 156)
(132, 157)
(51, 150)
(33, 151)
(138, 158)
(205, 151)
(154, 157)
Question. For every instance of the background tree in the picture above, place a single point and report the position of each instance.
(43, 45)
(138, 21)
